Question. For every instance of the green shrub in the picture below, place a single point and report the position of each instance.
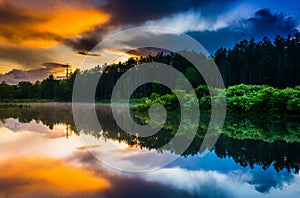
(202, 91)
(240, 98)
(293, 105)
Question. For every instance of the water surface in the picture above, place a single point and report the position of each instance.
(43, 154)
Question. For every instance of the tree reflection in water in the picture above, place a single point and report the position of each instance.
(248, 140)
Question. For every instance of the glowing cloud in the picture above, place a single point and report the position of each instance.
(39, 28)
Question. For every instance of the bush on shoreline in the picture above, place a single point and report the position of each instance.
(240, 98)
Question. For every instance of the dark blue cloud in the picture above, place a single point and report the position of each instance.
(266, 23)
(136, 12)
(263, 23)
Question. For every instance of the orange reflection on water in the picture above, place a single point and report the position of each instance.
(87, 147)
(23, 177)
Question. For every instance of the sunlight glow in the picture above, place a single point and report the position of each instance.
(49, 28)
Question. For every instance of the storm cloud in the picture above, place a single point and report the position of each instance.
(125, 14)
(86, 41)
(205, 23)
(135, 11)
(263, 23)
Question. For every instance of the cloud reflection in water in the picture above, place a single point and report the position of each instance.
(34, 163)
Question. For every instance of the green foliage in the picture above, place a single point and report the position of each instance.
(297, 87)
(293, 105)
(168, 100)
(261, 127)
(242, 126)
(6, 91)
(202, 91)
(193, 76)
(254, 98)
(240, 98)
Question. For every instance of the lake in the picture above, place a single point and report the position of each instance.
(44, 154)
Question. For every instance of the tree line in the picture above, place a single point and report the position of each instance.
(264, 62)
(48, 89)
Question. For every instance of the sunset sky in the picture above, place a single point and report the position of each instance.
(38, 37)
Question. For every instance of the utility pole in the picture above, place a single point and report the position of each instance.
(67, 131)
(67, 72)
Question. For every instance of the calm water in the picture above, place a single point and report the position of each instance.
(43, 154)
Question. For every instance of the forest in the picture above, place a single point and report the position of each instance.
(271, 66)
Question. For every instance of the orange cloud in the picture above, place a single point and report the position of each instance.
(119, 55)
(39, 28)
(25, 177)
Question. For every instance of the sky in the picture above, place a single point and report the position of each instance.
(37, 38)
